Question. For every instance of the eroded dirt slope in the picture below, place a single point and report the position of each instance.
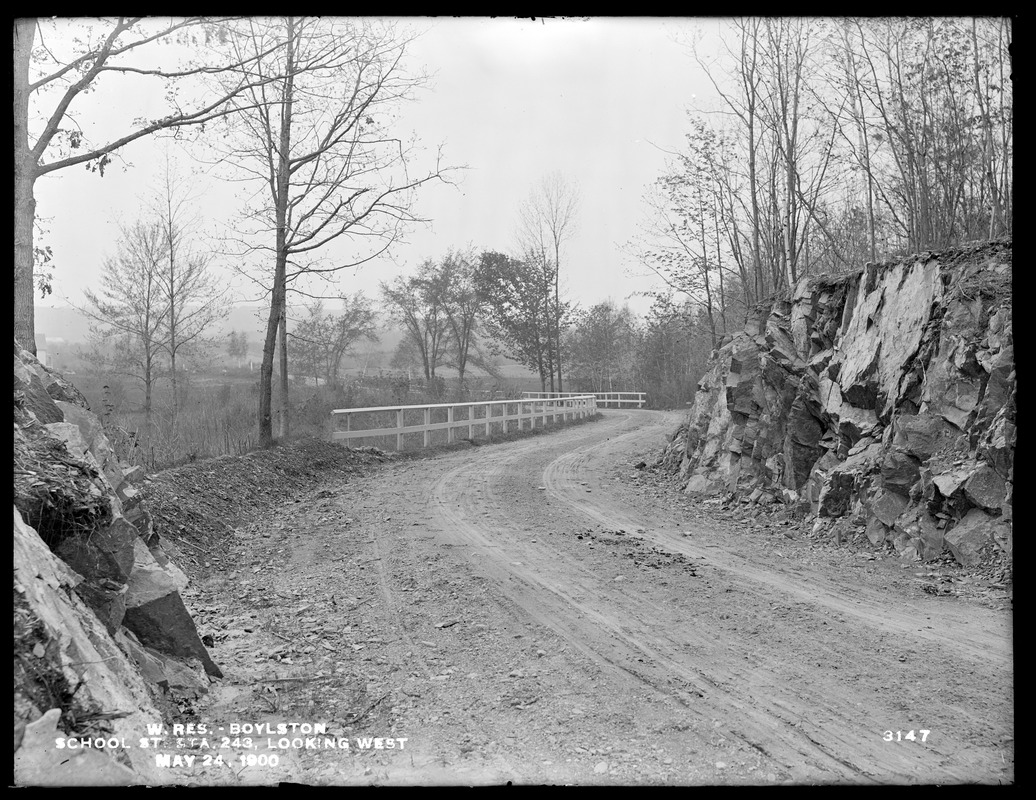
(541, 611)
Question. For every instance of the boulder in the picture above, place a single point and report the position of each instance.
(986, 489)
(877, 531)
(62, 391)
(182, 677)
(923, 533)
(52, 382)
(899, 471)
(150, 580)
(837, 494)
(107, 599)
(106, 553)
(948, 483)
(165, 625)
(96, 440)
(34, 394)
(887, 506)
(971, 537)
(82, 651)
(149, 662)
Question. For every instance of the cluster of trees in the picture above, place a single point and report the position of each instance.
(837, 142)
(664, 354)
(322, 339)
(456, 310)
(157, 297)
(300, 106)
(437, 309)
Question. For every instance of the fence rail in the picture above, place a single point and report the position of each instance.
(483, 418)
(606, 399)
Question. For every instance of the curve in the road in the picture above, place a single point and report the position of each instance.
(797, 724)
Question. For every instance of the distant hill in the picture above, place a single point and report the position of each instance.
(72, 326)
(65, 322)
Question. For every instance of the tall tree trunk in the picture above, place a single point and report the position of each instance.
(705, 275)
(278, 298)
(283, 422)
(865, 149)
(24, 199)
(753, 177)
(719, 267)
(548, 319)
(987, 139)
(557, 306)
(148, 383)
(172, 320)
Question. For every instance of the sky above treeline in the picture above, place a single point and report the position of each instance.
(597, 100)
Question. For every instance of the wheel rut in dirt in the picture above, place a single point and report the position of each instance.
(777, 707)
(530, 612)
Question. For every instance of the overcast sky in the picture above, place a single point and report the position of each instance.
(597, 100)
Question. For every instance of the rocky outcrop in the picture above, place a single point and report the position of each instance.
(882, 402)
(102, 636)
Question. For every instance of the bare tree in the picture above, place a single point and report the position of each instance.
(49, 84)
(846, 141)
(315, 132)
(689, 224)
(547, 221)
(195, 299)
(130, 311)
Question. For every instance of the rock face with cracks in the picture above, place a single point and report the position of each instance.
(103, 641)
(882, 402)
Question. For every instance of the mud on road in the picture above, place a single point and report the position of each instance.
(540, 611)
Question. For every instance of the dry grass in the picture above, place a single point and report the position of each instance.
(218, 416)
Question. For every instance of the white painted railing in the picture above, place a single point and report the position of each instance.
(480, 419)
(606, 399)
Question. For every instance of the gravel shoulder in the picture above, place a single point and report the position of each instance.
(541, 611)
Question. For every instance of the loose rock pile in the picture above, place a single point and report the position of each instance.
(105, 637)
(882, 403)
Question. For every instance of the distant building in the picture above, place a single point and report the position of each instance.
(42, 352)
(48, 350)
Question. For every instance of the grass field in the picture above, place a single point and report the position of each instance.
(217, 414)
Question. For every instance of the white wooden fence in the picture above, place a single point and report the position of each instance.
(479, 419)
(606, 399)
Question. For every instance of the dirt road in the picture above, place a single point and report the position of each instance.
(541, 611)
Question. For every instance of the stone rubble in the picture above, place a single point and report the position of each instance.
(100, 592)
(882, 403)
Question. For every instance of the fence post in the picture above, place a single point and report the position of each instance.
(399, 425)
(449, 430)
(471, 416)
(427, 422)
(489, 414)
